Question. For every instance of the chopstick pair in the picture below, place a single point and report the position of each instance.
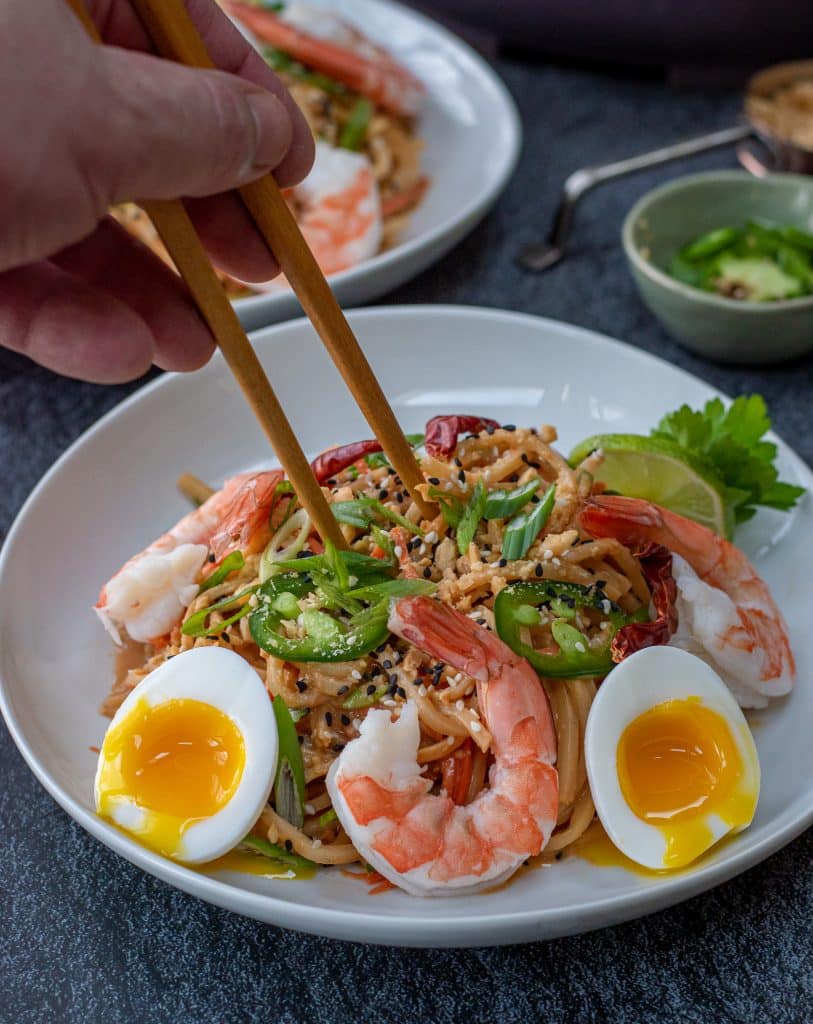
(176, 37)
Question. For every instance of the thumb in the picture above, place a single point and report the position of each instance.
(160, 130)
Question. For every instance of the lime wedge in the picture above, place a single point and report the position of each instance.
(662, 472)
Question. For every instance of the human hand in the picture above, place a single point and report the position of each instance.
(83, 127)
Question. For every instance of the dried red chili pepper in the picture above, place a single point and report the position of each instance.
(656, 565)
(333, 461)
(442, 432)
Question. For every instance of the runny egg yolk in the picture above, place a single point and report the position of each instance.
(678, 764)
(178, 762)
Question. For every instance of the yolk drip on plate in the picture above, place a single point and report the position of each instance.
(678, 764)
(178, 762)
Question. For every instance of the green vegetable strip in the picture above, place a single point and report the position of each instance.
(378, 459)
(327, 818)
(523, 530)
(711, 243)
(274, 852)
(355, 128)
(361, 698)
(289, 785)
(502, 503)
(195, 625)
(451, 507)
(361, 512)
(231, 563)
(472, 514)
(394, 588)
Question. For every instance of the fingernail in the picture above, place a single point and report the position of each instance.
(273, 129)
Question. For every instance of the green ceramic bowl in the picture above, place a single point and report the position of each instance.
(728, 330)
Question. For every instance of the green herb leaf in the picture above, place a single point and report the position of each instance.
(274, 852)
(472, 514)
(731, 440)
(231, 563)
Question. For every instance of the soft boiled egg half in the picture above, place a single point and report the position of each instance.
(670, 758)
(188, 760)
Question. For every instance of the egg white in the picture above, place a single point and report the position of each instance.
(221, 678)
(638, 683)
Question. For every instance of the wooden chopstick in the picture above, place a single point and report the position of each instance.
(175, 36)
(181, 240)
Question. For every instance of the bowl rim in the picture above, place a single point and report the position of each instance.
(690, 294)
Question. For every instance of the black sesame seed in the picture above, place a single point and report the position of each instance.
(329, 717)
(331, 482)
(427, 573)
(301, 685)
(301, 739)
(371, 689)
(289, 845)
(558, 855)
(345, 719)
(434, 480)
(457, 461)
(535, 499)
(513, 478)
(375, 671)
(303, 554)
(211, 558)
(461, 476)
(386, 663)
(225, 637)
(338, 747)
(383, 494)
(342, 691)
(481, 622)
(393, 679)
(401, 692)
(399, 497)
(538, 570)
(502, 563)
(524, 458)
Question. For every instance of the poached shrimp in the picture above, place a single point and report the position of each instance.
(323, 41)
(423, 842)
(147, 597)
(338, 208)
(726, 613)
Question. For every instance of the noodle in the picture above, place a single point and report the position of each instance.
(447, 703)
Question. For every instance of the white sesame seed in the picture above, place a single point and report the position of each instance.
(556, 561)
(317, 842)
(449, 741)
(355, 674)
(422, 549)
(422, 691)
(604, 625)
(309, 809)
(431, 537)
(476, 727)
(398, 551)
(459, 705)
(606, 607)
(447, 486)
(547, 554)
(580, 647)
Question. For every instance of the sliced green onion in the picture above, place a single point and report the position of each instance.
(364, 567)
(383, 540)
(289, 539)
(711, 243)
(195, 625)
(337, 565)
(472, 514)
(274, 852)
(289, 785)
(394, 588)
(231, 563)
(362, 698)
(523, 529)
(502, 503)
(283, 487)
(327, 818)
(355, 128)
(451, 507)
(361, 512)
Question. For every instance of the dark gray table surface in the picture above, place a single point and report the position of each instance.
(84, 936)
